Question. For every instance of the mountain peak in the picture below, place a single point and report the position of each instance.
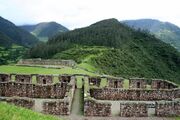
(111, 21)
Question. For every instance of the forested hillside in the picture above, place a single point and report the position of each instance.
(16, 35)
(131, 53)
(165, 31)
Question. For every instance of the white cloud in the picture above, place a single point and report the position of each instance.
(79, 13)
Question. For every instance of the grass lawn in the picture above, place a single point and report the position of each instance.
(39, 70)
(11, 112)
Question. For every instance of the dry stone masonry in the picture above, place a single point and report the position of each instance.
(115, 83)
(39, 61)
(44, 79)
(94, 81)
(133, 110)
(160, 96)
(22, 102)
(23, 78)
(93, 108)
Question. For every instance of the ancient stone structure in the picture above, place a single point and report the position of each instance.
(10, 89)
(65, 78)
(94, 81)
(131, 94)
(23, 78)
(39, 61)
(4, 77)
(93, 108)
(22, 102)
(56, 108)
(167, 108)
(133, 110)
(162, 84)
(44, 79)
(137, 83)
(115, 82)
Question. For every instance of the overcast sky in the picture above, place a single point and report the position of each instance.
(80, 13)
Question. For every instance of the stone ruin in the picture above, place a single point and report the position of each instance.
(115, 83)
(4, 77)
(44, 79)
(164, 99)
(23, 92)
(23, 78)
(94, 108)
(94, 81)
(56, 98)
(133, 110)
(138, 83)
(39, 61)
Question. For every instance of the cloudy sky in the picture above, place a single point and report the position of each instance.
(80, 13)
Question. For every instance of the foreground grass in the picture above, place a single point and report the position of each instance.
(11, 112)
(39, 70)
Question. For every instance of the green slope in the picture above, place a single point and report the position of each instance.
(11, 112)
(127, 52)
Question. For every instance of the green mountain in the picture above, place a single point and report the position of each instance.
(45, 30)
(165, 31)
(10, 33)
(110, 47)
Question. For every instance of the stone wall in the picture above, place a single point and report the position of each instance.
(44, 79)
(56, 108)
(115, 83)
(95, 81)
(10, 89)
(92, 108)
(137, 83)
(4, 77)
(162, 84)
(131, 94)
(133, 110)
(69, 63)
(65, 78)
(23, 78)
(22, 102)
(167, 108)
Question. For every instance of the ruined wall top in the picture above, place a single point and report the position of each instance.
(40, 61)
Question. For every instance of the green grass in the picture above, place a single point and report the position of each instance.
(11, 112)
(177, 118)
(39, 70)
(126, 84)
(103, 82)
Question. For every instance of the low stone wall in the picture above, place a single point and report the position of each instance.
(133, 110)
(39, 61)
(93, 108)
(132, 94)
(44, 79)
(95, 81)
(167, 109)
(22, 102)
(4, 77)
(56, 108)
(162, 84)
(23, 78)
(115, 83)
(137, 83)
(10, 89)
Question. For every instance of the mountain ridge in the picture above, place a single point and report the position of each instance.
(165, 31)
(16, 34)
(45, 30)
